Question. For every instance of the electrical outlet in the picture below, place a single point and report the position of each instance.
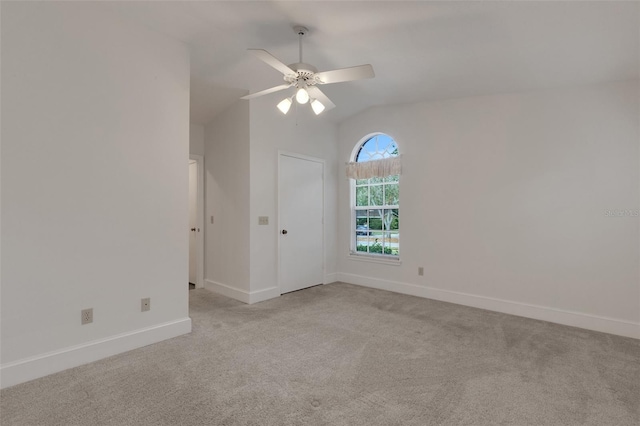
(420, 270)
(263, 220)
(86, 316)
(145, 304)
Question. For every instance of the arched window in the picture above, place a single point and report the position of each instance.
(376, 199)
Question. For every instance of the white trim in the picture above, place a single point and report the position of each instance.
(383, 259)
(227, 290)
(324, 212)
(301, 156)
(199, 159)
(330, 278)
(575, 319)
(264, 294)
(242, 295)
(23, 370)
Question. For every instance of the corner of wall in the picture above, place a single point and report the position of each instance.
(226, 146)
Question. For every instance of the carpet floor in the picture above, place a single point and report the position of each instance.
(340, 354)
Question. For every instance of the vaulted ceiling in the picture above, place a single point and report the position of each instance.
(419, 50)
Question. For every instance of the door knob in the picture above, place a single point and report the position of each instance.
(284, 232)
(193, 229)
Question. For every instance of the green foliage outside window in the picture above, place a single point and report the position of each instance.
(375, 248)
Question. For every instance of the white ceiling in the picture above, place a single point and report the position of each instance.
(419, 50)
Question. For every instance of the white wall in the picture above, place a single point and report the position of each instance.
(241, 151)
(227, 200)
(94, 186)
(196, 139)
(504, 200)
(298, 132)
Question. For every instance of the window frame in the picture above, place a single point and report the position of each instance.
(353, 252)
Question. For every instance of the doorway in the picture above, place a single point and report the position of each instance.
(196, 217)
(301, 222)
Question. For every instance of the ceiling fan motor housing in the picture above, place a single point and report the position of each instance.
(305, 73)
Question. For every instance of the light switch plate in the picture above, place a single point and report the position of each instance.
(263, 220)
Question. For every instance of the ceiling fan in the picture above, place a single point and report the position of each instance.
(305, 78)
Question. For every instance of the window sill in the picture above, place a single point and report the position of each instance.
(395, 261)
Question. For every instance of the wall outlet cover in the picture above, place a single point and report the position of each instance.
(145, 304)
(86, 316)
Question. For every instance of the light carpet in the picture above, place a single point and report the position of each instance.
(340, 354)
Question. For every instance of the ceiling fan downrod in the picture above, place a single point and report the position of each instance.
(300, 30)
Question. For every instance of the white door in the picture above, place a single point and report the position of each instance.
(301, 205)
(193, 220)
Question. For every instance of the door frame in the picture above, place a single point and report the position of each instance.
(324, 253)
(199, 159)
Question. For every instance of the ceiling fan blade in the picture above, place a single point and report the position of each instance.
(345, 74)
(267, 91)
(316, 93)
(271, 60)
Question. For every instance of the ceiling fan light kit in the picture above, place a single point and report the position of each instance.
(302, 96)
(284, 105)
(305, 78)
(317, 106)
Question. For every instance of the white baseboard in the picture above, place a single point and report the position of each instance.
(266, 294)
(242, 295)
(574, 319)
(23, 370)
(225, 290)
(330, 278)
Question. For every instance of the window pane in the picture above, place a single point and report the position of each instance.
(362, 196)
(376, 237)
(391, 191)
(395, 225)
(362, 224)
(361, 181)
(379, 146)
(376, 195)
(375, 222)
(386, 247)
(376, 245)
(394, 178)
(362, 243)
(391, 245)
(386, 217)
